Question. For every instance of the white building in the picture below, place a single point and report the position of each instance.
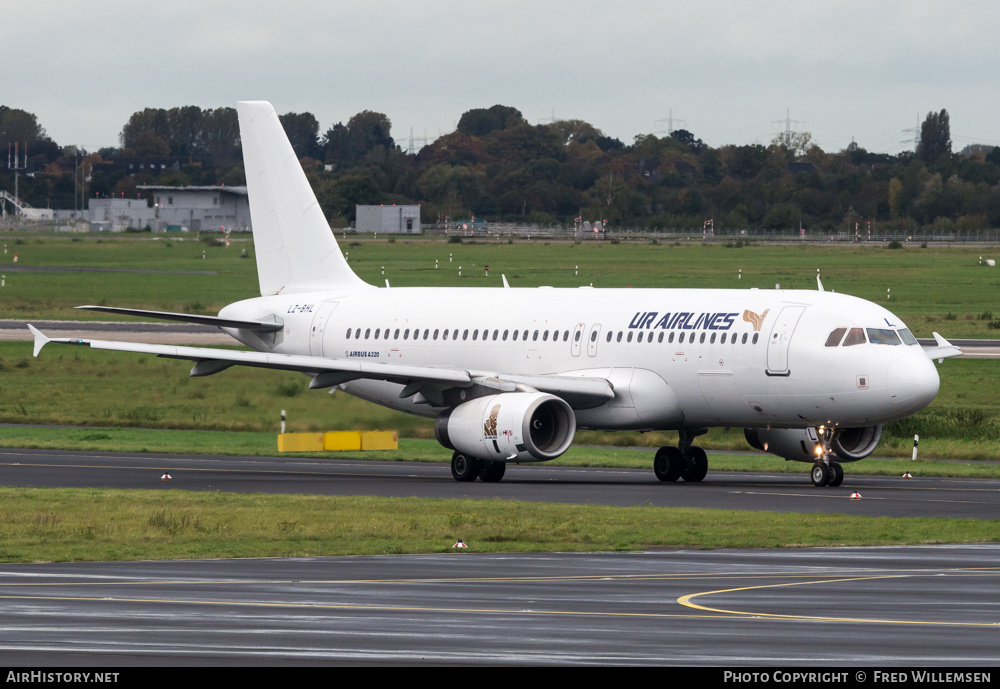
(195, 209)
(391, 219)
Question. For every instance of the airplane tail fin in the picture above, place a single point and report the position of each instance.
(296, 251)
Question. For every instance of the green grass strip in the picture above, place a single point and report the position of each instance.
(45, 525)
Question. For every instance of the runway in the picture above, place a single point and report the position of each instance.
(891, 496)
(837, 609)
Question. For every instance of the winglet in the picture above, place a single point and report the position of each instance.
(943, 350)
(40, 339)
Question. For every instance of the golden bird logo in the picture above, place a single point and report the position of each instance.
(756, 320)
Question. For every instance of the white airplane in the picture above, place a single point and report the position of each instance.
(510, 374)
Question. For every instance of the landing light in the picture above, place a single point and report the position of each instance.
(819, 450)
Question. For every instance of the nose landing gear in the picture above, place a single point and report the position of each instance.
(826, 472)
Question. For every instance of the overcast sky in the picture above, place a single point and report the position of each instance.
(728, 70)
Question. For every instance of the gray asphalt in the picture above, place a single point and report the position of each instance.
(892, 496)
(834, 609)
(831, 608)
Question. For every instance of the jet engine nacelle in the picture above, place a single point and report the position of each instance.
(799, 444)
(852, 444)
(509, 427)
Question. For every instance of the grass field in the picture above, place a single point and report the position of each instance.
(77, 525)
(141, 403)
(943, 289)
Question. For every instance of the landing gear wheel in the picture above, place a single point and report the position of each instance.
(668, 463)
(834, 475)
(819, 475)
(463, 467)
(491, 472)
(697, 465)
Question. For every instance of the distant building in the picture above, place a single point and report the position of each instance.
(389, 219)
(194, 209)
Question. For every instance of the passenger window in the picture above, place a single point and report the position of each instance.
(576, 338)
(619, 338)
(515, 336)
(701, 340)
(755, 336)
(835, 337)
(629, 338)
(680, 340)
(712, 339)
(744, 340)
(348, 333)
(855, 336)
(660, 338)
(566, 336)
(426, 333)
(444, 335)
(545, 336)
(671, 338)
(505, 335)
(883, 336)
(475, 334)
(496, 334)
(609, 336)
(436, 331)
(535, 336)
(366, 333)
(406, 334)
(396, 334)
(377, 331)
(639, 339)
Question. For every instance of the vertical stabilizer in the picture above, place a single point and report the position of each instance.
(296, 251)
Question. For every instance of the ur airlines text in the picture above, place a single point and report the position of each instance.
(510, 374)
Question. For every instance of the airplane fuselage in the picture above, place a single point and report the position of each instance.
(751, 358)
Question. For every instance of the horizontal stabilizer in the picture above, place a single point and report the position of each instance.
(256, 326)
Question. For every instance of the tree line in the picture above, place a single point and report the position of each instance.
(498, 166)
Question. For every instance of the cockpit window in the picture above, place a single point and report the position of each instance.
(883, 336)
(907, 337)
(835, 337)
(855, 336)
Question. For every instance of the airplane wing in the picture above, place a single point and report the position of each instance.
(943, 350)
(427, 381)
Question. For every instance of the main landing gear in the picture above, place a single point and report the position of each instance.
(686, 461)
(466, 468)
(826, 472)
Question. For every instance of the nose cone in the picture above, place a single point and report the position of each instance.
(912, 382)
